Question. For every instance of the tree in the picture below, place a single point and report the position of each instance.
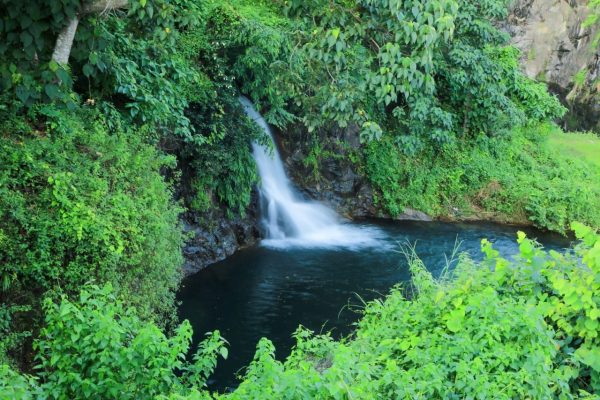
(47, 44)
(428, 71)
(64, 41)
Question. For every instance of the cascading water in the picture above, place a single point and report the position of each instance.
(290, 220)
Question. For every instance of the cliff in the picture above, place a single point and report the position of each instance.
(557, 49)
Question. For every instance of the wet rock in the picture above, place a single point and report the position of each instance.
(338, 184)
(413, 215)
(213, 236)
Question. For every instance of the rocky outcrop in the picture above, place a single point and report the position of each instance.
(557, 49)
(336, 183)
(213, 236)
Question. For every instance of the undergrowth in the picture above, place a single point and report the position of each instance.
(78, 203)
(519, 178)
(521, 328)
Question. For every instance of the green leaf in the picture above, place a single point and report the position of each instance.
(88, 70)
(53, 66)
(63, 76)
(589, 356)
(22, 93)
(26, 38)
(224, 352)
(456, 319)
(52, 91)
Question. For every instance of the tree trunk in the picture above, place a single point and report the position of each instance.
(64, 41)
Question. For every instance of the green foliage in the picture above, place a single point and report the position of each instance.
(16, 386)
(27, 29)
(78, 204)
(10, 337)
(126, 53)
(574, 306)
(145, 79)
(428, 72)
(504, 329)
(437, 97)
(518, 178)
(580, 77)
(97, 347)
(222, 168)
(252, 40)
(593, 19)
(371, 55)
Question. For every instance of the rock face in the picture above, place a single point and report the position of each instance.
(336, 183)
(214, 236)
(556, 47)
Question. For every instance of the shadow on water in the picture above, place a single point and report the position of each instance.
(268, 291)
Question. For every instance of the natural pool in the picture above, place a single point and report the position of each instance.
(269, 290)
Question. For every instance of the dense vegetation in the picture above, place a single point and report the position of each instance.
(74, 196)
(526, 328)
(467, 132)
(525, 177)
(115, 116)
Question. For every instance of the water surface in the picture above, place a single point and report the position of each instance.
(269, 290)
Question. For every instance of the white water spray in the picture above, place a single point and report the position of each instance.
(290, 220)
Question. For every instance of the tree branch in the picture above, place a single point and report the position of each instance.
(102, 6)
(64, 41)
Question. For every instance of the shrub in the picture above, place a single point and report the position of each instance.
(98, 348)
(519, 178)
(503, 329)
(223, 170)
(80, 204)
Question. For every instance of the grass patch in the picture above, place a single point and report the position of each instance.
(583, 146)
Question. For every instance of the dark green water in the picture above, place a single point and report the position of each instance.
(264, 291)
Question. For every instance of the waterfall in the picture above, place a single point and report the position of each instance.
(287, 218)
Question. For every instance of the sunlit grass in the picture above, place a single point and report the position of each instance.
(584, 146)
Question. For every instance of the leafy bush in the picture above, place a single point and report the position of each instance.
(10, 336)
(110, 50)
(224, 170)
(79, 204)
(504, 329)
(16, 386)
(519, 178)
(217, 157)
(145, 79)
(251, 40)
(96, 347)
(428, 73)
